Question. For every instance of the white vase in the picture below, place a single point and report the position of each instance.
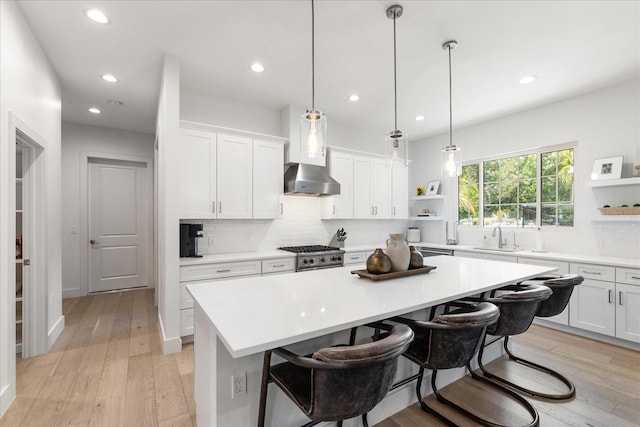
(398, 251)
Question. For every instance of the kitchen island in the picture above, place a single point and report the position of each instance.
(237, 320)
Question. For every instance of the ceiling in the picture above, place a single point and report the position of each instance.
(572, 46)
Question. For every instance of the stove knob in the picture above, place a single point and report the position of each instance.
(333, 258)
(311, 261)
(304, 261)
(339, 258)
(322, 259)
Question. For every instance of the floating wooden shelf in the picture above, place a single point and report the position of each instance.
(431, 197)
(614, 182)
(425, 218)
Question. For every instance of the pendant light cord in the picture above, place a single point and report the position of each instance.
(450, 103)
(313, 62)
(395, 85)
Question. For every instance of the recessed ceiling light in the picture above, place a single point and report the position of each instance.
(257, 67)
(354, 98)
(97, 16)
(528, 79)
(419, 118)
(109, 78)
(95, 110)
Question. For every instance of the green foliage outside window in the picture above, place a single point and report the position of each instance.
(509, 190)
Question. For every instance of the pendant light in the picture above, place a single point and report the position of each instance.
(397, 142)
(451, 163)
(313, 124)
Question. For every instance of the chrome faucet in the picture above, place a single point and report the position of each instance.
(501, 243)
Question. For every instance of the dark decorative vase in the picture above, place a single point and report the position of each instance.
(378, 262)
(416, 258)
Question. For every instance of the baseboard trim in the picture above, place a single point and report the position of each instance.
(71, 293)
(588, 334)
(55, 332)
(6, 398)
(169, 345)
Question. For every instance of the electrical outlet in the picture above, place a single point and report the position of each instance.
(210, 242)
(238, 384)
(600, 244)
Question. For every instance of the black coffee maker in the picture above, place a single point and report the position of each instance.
(189, 233)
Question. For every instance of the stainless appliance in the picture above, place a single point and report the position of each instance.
(189, 235)
(426, 251)
(315, 257)
(309, 180)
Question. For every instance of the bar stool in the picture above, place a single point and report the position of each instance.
(336, 383)
(518, 306)
(451, 340)
(562, 288)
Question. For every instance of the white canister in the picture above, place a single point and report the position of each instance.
(413, 235)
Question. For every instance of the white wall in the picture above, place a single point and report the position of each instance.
(604, 123)
(167, 238)
(76, 139)
(31, 91)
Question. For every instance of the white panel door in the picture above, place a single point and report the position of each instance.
(234, 176)
(340, 206)
(197, 166)
(362, 201)
(117, 226)
(381, 190)
(268, 179)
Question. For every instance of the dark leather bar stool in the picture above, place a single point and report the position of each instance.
(451, 340)
(562, 288)
(518, 306)
(336, 383)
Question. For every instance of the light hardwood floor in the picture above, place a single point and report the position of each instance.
(107, 369)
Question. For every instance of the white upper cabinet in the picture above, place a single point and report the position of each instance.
(197, 165)
(290, 125)
(371, 188)
(234, 176)
(268, 179)
(341, 169)
(400, 193)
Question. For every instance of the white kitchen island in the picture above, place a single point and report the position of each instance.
(237, 320)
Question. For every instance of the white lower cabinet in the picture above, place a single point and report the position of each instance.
(608, 301)
(216, 271)
(562, 268)
(467, 254)
(356, 257)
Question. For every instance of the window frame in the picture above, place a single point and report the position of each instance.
(538, 151)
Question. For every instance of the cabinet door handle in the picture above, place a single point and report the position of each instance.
(620, 297)
(376, 208)
(394, 211)
(220, 206)
(354, 258)
(635, 277)
(213, 206)
(371, 210)
(224, 270)
(592, 272)
(334, 209)
(277, 265)
(281, 208)
(610, 293)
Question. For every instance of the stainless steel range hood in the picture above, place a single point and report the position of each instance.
(309, 180)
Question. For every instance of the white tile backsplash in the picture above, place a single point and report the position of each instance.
(301, 225)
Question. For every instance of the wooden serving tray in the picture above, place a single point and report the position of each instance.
(393, 275)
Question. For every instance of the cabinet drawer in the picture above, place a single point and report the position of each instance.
(186, 300)
(355, 258)
(189, 273)
(594, 271)
(562, 266)
(278, 265)
(186, 322)
(630, 276)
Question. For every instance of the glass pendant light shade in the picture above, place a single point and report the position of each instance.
(451, 162)
(396, 149)
(313, 133)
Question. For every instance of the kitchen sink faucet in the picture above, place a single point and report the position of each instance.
(501, 243)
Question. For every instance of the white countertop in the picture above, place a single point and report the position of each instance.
(237, 256)
(255, 314)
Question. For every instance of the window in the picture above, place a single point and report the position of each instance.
(525, 190)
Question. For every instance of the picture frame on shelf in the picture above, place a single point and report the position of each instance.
(607, 168)
(433, 187)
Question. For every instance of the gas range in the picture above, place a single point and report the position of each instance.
(315, 257)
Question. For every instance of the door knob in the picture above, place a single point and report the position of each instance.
(93, 242)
